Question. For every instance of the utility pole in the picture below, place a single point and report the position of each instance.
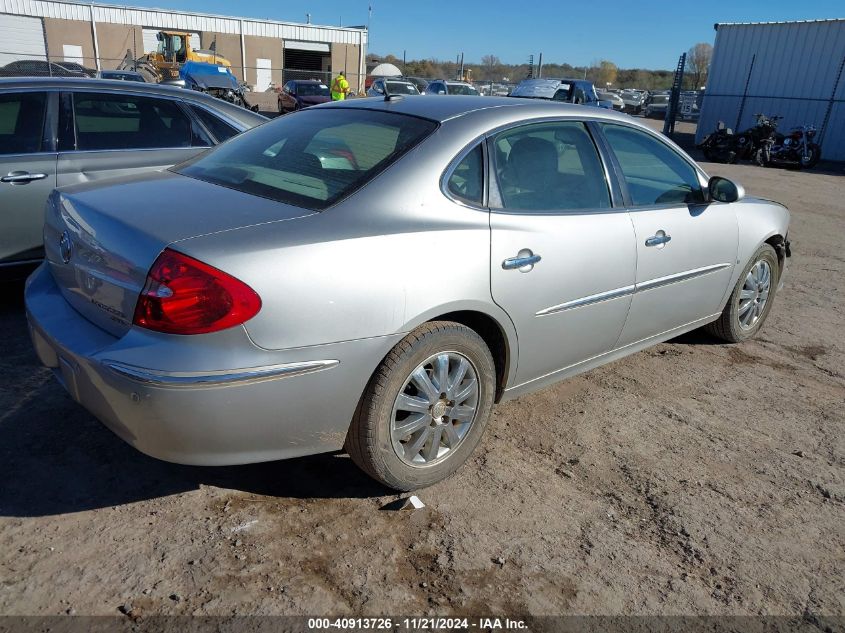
(540, 67)
(369, 17)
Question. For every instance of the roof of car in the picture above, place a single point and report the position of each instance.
(118, 85)
(460, 105)
(305, 81)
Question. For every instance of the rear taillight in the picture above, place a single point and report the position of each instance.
(185, 296)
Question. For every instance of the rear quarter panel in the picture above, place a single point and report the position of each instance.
(393, 255)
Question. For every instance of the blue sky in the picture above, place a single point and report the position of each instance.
(632, 34)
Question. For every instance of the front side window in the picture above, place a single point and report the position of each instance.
(550, 167)
(563, 93)
(22, 122)
(312, 160)
(467, 179)
(654, 173)
(222, 131)
(115, 121)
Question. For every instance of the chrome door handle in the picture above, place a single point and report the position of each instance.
(21, 177)
(524, 261)
(658, 240)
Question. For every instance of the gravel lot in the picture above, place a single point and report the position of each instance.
(692, 478)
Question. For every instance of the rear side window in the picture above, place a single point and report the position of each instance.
(114, 121)
(314, 159)
(551, 167)
(467, 179)
(654, 173)
(22, 122)
(222, 131)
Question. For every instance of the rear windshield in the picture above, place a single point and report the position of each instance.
(401, 88)
(311, 159)
(462, 89)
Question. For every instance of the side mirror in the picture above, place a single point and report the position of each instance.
(724, 190)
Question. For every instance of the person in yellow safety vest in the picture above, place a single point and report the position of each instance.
(340, 87)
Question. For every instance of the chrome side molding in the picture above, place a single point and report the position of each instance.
(585, 301)
(629, 290)
(671, 279)
(158, 378)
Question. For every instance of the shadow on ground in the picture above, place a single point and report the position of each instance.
(56, 458)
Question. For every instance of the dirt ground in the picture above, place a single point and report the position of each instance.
(692, 478)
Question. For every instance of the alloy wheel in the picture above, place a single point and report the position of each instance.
(435, 409)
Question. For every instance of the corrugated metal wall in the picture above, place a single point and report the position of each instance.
(186, 21)
(796, 69)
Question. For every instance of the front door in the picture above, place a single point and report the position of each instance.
(686, 249)
(27, 173)
(562, 257)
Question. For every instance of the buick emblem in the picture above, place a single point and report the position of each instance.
(66, 247)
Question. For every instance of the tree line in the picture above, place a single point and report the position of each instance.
(600, 72)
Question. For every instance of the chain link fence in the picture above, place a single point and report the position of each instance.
(263, 84)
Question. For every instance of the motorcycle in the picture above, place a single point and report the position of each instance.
(719, 146)
(726, 147)
(795, 149)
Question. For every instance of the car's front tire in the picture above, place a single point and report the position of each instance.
(425, 408)
(751, 299)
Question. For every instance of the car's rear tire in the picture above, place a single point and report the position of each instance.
(425, 408)
(751, 299)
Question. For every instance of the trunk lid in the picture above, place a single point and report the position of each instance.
(101, 239)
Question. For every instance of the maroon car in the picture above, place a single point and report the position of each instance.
(301, 93)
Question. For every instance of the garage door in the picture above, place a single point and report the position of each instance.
(303, 59)
(21, 38)
(151, 43)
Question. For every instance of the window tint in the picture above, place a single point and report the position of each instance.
(222, 131)
(311, 160)
(550, 167)
(653, 171)
(22, 122)
(113, 121)
(467, 179)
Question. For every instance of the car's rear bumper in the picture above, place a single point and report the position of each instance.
(217, 401)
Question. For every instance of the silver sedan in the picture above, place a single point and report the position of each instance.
(376, 275)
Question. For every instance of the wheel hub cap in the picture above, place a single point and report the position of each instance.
(754, 294)
(435, 409)
(438, 410)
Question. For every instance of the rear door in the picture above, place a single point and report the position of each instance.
(686, 249)
(109, 134)
(27, 171)
(563, 257)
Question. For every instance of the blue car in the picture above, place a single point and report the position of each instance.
(218, 81)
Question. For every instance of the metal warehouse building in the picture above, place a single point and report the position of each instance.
(792, 69)
(99, 36)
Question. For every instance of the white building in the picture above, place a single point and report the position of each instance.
(792, 69)
(99, 36)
